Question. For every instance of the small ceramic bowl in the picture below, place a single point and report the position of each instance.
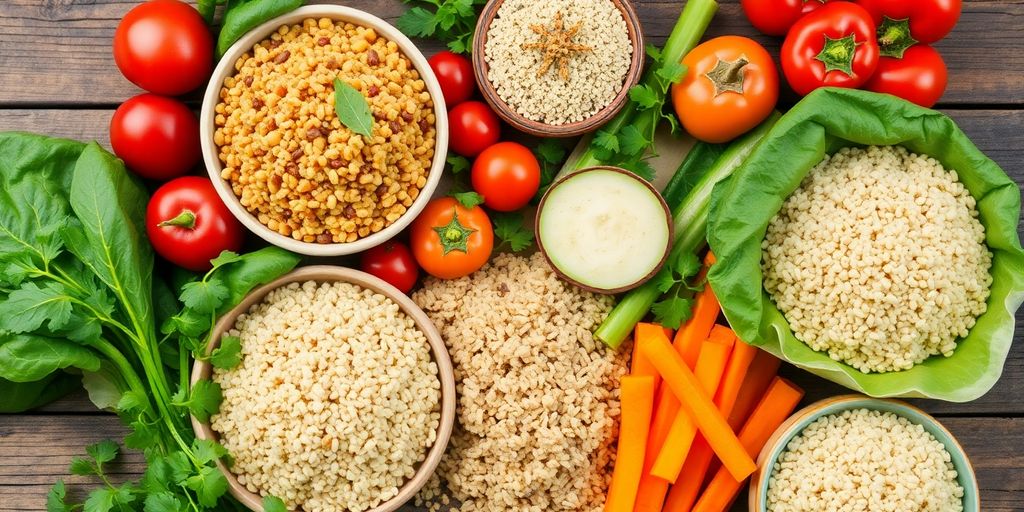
(521, 123)
(325, 273)
(758, 497)
(226, 68)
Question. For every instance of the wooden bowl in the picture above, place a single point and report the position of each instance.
(758, 497)
(445, 373)
(521, 123)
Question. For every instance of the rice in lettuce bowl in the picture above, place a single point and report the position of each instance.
(827, 120)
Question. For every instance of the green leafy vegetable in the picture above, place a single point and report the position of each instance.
(823, 122)
(511, 229)
(468, 199)
(551, 155)
(352, 109)
(450, 21)
(458, 163)
(273, 504)
(241, 16)
(228, 354)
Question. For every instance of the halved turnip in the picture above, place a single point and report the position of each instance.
(604, 229)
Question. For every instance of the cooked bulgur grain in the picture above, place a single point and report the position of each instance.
(594, 76)
(878, 258)
(285, 152)
(538, 397)
(864, 460)
(335, 401)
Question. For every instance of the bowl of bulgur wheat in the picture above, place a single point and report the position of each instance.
(343, 397)
(282, 160)
(851, 452)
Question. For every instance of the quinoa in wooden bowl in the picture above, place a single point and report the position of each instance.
(284, 161)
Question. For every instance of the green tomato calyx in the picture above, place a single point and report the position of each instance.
(454, 236)
(837, 54)
(894, 37)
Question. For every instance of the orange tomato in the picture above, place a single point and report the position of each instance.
(731, 86)
(449, 240)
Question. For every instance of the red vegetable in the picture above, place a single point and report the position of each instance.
(920, 76)
(393, 262)
(157, 137)
(164, 47)
(455, 74)
(911, 21)
(449, 240)
(473, 127)
(833, 46)
(189, 225)
(774, 17)
(507, 175)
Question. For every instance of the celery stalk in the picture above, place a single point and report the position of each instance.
(690, 223)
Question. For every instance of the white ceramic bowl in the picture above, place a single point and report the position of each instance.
(226, 67)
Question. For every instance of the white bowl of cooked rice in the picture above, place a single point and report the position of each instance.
(286, 164)
(854, 453)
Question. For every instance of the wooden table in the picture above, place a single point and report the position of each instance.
(57, 76)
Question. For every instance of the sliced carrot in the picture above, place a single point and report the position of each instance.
(735, 373)
(697, 403)
(640, 365)
(778, 402)
(714, 354)
(760, 374)
(636, 395)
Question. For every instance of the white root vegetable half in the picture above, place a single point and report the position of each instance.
(604, 229)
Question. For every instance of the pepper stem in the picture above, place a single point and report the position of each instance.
(186, 219)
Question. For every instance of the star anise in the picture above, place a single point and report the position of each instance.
(556, 45)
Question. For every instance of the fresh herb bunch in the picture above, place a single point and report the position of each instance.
(450, 21)
(78, 295)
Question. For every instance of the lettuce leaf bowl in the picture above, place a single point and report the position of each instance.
(823, 122)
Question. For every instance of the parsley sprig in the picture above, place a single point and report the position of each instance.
(451, 21)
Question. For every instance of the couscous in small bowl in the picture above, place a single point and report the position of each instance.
(316, 278)
(793, 427)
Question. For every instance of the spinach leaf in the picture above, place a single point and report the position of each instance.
(31, 213)
(22, 396)
(242, 16)
(30, 357)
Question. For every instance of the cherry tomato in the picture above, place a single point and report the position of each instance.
(189, 225)
(473, 127)
(157, 137)
(920, 76)
(927, 21)
(774, 17)
(834, 45)
(164, 47)
(732, 86)
(455, 74)
(391, 261)
(507, 175)
(450, 240)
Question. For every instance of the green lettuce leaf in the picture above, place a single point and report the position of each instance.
(823, 122)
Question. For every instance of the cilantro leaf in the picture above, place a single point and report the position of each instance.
(641, 168)
(100, 500)
(209, 485)
(417, 22)
(55, 499)
(468, 199)
(207, 451)
(644, 96)
(665, 279)
(103, 451)
(510, 229)
(82, 466)
(142, 437)
(607, 141)
(179, 468)
(132, 400)
(653, 52)
(458, 163)
(550, 151)
(225, 258)
(228, 354)
(672, 311)
(204, 399)
(670, 73)
(632, 142)
(162, 502)
(273, 504)
(686, 265)
(204, 296)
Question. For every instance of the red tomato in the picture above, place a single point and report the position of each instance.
(189, 225)
(157, 137)
(449, 240)
(473, 127)
(929, 20)
(455, 74)
(774, 17)
(164, 47)
(920, 76)
(393, 262)
(507, 175)
(732, 86)
(833, 46)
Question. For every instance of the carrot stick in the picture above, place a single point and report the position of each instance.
(687, 343)
(735, 373)
(697, 403)
(714, 354)
(760, 374)
(636, 394)
(778, 402)
(640, 365)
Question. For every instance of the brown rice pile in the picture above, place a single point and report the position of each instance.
(335, 401)
(595, 76)
(288, 158)
(538, 396)
(879, 259)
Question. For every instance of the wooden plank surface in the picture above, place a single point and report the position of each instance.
(57, 76)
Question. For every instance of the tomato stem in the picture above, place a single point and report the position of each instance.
(837, 54)
(727, 76)
(186, 219)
